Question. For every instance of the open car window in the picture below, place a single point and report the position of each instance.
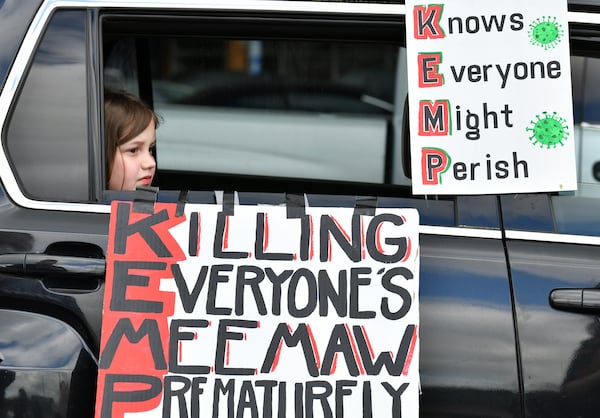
(257, 109)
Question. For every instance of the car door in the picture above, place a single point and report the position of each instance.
(553, 246)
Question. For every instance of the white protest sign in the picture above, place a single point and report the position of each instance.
(260, 312)
(490, 97)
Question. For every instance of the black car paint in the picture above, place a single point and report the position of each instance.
(47, 382)
(569, 363)
(41, 314)
(471, 369)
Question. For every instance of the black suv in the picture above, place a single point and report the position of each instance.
(269, 99)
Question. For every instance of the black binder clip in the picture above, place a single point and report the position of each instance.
(365, 205)
(181, 201)
(228, 203)
(144, 199)
(295, 205)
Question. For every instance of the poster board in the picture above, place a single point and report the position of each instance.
(263, 311)
(490, 97)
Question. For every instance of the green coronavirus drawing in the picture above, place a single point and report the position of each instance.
(548, 130)
(546, 32)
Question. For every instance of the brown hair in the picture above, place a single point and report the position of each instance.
(125, 117)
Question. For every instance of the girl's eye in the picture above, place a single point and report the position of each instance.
(132, 151)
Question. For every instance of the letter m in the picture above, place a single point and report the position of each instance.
(302, 336)
(434, 118)
(124, 328)
(427, 22)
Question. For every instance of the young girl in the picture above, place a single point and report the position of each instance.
(129, 129)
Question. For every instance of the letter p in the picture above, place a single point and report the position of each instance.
(141, 390)
(434, 162)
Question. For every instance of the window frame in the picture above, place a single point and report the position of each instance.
(309, 25)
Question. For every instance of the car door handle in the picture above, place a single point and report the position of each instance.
(48, 265)
(585, 300)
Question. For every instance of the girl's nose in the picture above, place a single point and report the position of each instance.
(149, 161)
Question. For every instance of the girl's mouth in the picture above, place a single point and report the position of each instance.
(146, 180)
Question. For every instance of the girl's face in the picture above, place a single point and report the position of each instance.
(134, 165)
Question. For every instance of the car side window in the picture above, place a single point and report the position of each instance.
(315, 110)
(578, 212)
(587, 131)
(47, 136)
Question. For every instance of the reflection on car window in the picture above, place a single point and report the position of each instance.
(591, 94)
(50, 116)
(586, 108)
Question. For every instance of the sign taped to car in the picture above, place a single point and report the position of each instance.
(490, 97)
(260, 311)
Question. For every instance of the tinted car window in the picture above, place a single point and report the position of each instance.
(591, 94)
(574, 213)
(47, 133)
